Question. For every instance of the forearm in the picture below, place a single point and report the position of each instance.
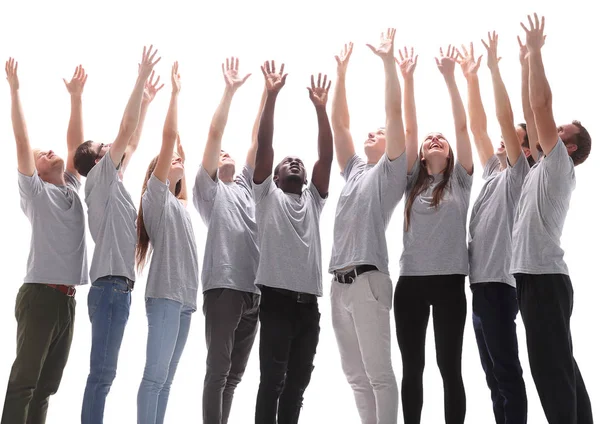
(26, 164)
(532, 134)
(325, 142)
(75, 129)
(410, 112)
(137, 134)
(264, 151)
(394, 127)
(169, 137)
(212, 150)
(463, 144)
(505, 117)
(340, 116)
(131, 116)
(251, 156)
(477, 116)
(540, 94)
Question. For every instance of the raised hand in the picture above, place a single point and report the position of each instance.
(523, 52)
(230, 68)
(175, 78)
(274, 80)
(343, 59)
(467, 61)
(407, 62)
(446, 62)
(318, 94)
(11, 68)
(75, 86)
(492, 50)
(147, 64)
(534, 36)
(151, 87)
(386, 45)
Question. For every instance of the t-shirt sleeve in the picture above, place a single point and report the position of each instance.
(392, 180)
(264, 189)
(463, 183)
(558, 165)
(354, 165)
(103, 174)
(30, 187)
(316, 197)
(154, 203)
(516, 176)
(244, 180)
(492, 165)
(204, 193)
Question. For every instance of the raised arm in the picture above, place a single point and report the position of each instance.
(540, 94)
(212, 150)
(274, 81)
(322, 169)
(25, 160)
(340, 117)
(446, 64)
(170, 130)
(75, 130)
(532, 133)
(394, 126)
(407, 64)
(131, 116)
(504, 111)
(477, 116)
(251, 156)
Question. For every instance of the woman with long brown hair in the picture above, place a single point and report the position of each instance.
(434, 260)
(164, 226)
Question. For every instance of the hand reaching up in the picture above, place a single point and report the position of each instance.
(175, 78)
(343, 59)
(11, 68)
(534, 36)
(151, 87)
(147, 64)
(318, 93)
(492, 50)
(75, 86)
(407, 62)
(386, 45)
(274, 80)
(467, 61)
(446, 62)
(230, 68)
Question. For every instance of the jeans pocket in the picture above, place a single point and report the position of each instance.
(379, 288)
(94, 298)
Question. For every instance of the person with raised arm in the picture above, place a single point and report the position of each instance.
(490, 241)
(226, 204)
(57, 263)
(530, 139)
(289, 270)
(111, 219)
(164, 227)
(361, 290)
(544, 289)
(434, 260)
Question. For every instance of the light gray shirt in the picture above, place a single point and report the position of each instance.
(228, 210)
(541, 214)
(57, 253)
(173, 270)
(363, 212)
(111, 218)
(436, 240)
(492, 218)
(289, 238)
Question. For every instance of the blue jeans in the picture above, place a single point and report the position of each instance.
(168, 328)
(495, 309)
(109, 300)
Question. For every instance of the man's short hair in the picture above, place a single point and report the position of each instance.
(583, 140)
(85, 158)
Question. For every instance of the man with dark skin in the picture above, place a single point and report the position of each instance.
(289, 271)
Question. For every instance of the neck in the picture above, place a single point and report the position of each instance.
(436, 166)
(291, 187)
(56, 178)
(172, 186)
(226, 178)
(503, 161)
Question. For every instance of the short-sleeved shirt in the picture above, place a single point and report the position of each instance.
(541, 215)
(111, 218)
(228, 210)
(492, 218)
(366, 204)
(173, 270)
(57, 253)
(436, 240)
(289, 238)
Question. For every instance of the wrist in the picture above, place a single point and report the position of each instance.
(450, 78)
(76, 96)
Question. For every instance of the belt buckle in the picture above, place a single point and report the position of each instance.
(71, 291)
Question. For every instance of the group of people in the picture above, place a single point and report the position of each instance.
(262, 260)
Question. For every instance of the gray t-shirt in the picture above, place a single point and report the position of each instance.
(436, 240)
(111, 218)
(57, 254)
(228, 210)
(364, 209)
(289, 238)
(492, 218)
(541, 214)
(173, 270)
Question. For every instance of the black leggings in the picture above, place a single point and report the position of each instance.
(412, 300)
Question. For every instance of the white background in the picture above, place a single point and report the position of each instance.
(50, 38)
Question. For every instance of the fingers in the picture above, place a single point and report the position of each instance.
(312, 82)
(373, 49)
(521, 45)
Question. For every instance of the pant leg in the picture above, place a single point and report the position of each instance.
(243, 340)
(411, 312)
(37, 322)
(371, 305)
(497, 306)
(223, 310)
(484, 355)
(301, 362)
(350, 355)
(57, 357)
(276, 332)
(449, 316)
(185, 320)
(109, 301)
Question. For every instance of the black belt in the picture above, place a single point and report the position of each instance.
(348, 277)
(299, 297)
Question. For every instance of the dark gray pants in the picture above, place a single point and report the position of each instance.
(231, 325)
(45, 321)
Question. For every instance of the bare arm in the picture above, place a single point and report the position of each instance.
(532, 134)
(25, 160)
(322, 169)
(340, 116)
(75, 129)
(251, 156)
(183, 194)
(170, 130)
(407, 64)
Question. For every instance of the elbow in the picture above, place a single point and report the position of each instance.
(215, 133)
(128, 127)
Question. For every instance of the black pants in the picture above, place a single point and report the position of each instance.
(412, 300)
(45, 322)
(546, 304)
(495, 309)
(289, 334)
